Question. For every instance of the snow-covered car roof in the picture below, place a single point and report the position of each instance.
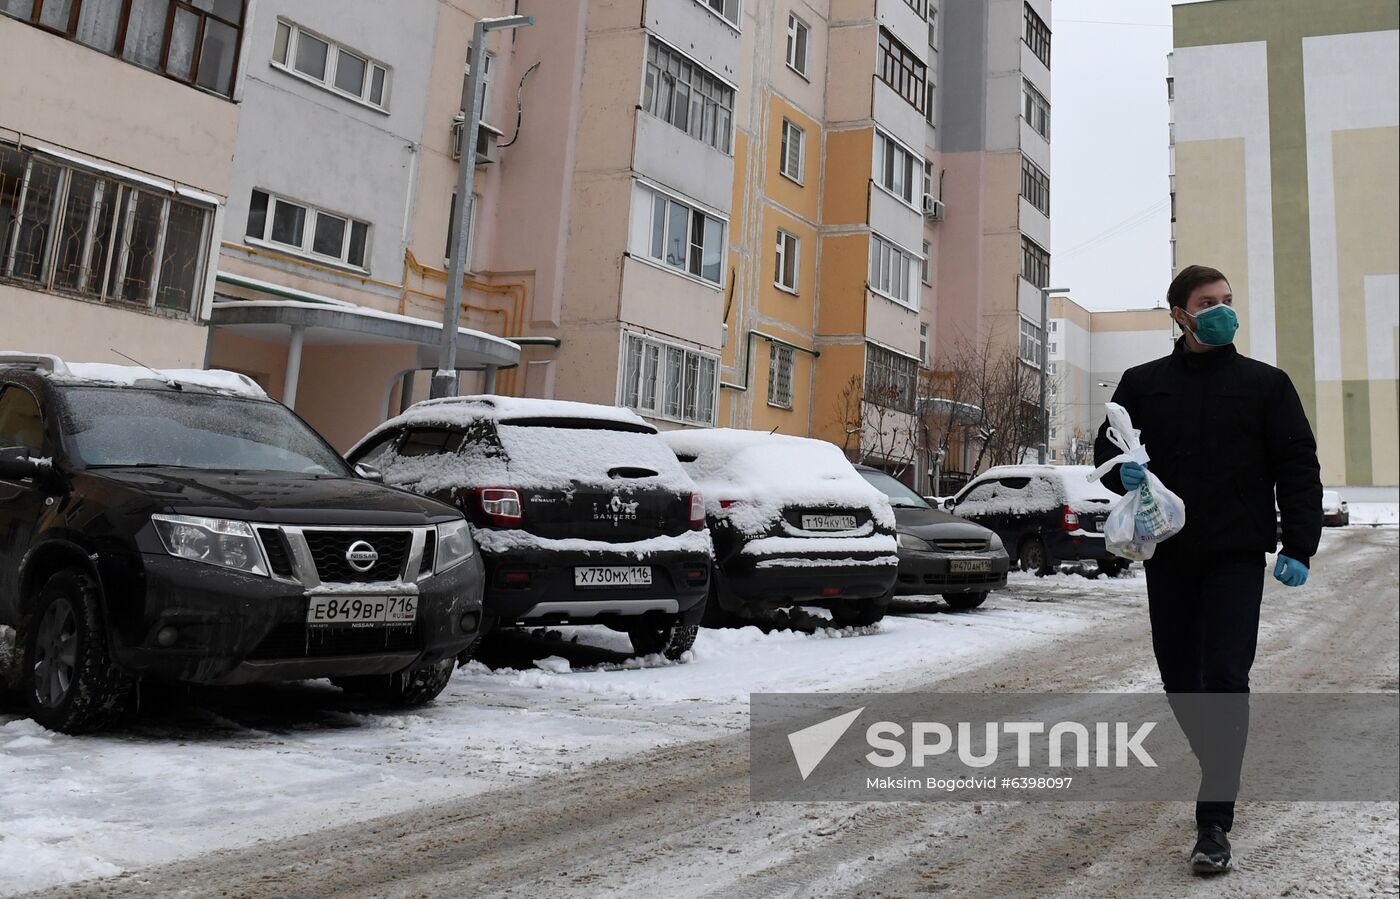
(1074, 487)
(109, 375)
(458, 411)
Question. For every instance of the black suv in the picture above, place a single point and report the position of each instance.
(182, 525)
(582, 514)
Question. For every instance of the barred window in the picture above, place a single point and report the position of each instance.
(664, 380)
(890, 378)
(780, 376)
(67, 230)
(195, 42)
(1035, 109)
(1035, 185)
(686, 95)
(1037, 35)
(1035, 262)
(901, 70)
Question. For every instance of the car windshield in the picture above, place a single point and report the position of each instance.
(901, 496)
(116, 427)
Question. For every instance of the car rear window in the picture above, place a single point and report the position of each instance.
(430, 441)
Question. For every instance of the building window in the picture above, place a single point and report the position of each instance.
(483, 86)
(917, 6)
(890, 378)
(1035, 109)
(684, 238)
(785, 273)
(931, 104)
(1171, 88)
(895, 167)
(932, 27)
(1029, 350)
(794, 142)
(1035, 185)
(901, 70)
(923, 344)
(1054, 350)
(68, 230)
(725, 9)
(308, 230)
(928, 178)
(780, 376)
(664, 380)
(452, 229)
(891, 270)
(328, 64)
(1035, 262)
(1054, 325)
(1037, 36)
(1050, 367)
(926, 267)
(797, 32)
(195, 42)
(681, 92)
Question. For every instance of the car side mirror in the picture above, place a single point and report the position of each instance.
(948, 504)
(17, 465)
(369, 472)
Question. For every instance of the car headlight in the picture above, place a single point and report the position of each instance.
(217, 541)
(909, 541)
(454, 545)
(995, 544)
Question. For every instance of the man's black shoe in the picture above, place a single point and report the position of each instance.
(1211, 854)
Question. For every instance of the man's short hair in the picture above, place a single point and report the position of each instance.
(1188, 280)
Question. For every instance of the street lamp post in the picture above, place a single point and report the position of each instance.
(445, 378)
(1044, 365)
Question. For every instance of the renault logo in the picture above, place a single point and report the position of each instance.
(361, 556)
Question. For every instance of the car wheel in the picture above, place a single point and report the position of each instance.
(672, 641)
(1112, 567)
(715, 614)
(1034, 557)
(405, 689)
(70, 682)
(962, 601)
(860, 612)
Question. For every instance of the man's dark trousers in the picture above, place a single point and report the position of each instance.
(1205, 627)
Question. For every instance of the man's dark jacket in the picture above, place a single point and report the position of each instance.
(1223, 432)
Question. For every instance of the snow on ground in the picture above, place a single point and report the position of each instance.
(1367, 513)
(233, 766)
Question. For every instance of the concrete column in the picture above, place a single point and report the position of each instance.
(406, 393)
(488, 383)
(289, 384)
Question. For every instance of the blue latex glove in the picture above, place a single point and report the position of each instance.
(1132, 474)
(1290, 572)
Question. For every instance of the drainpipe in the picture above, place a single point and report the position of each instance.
(289, 383)
(749, 353)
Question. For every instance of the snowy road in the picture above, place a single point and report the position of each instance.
(633, 781)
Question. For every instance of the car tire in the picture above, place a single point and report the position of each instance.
(672, 641)
(70, 682)
(715, 615)
(1112, 567)
(965, 601)
(860, 612)
(406, 689)
(1035, 557)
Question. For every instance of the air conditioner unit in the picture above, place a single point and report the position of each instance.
(487, 138)
(933, 208)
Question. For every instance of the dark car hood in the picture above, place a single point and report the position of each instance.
(283, 498)
(938, 524)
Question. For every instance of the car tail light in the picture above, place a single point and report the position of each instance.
(831, 591)
(697, 512)
(726, 503)
(501, 505)
(1071, 519)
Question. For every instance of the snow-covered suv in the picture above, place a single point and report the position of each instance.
(181, 525)
(793, 524)
(583, 516)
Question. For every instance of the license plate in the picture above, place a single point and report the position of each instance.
(969, 566)
(361, 611)
(638, 576)
(828, 522)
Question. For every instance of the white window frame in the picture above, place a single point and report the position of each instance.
(788, 248)
(780, 366)
(483, 85)
(925, 271)
(796, 29)
(657, 380)
(733, 6)
(885, 147)
(892, 269)
(1030, 350)
(287, 63)
(661, 87)
(791, 129)
(1035, 109)
(311, 214)
(692, 210)
(923, 344)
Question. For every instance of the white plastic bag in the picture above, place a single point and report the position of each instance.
(1148, 515)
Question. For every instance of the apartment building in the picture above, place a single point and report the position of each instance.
(110, 208)
(1086, 355)
(1285, 131)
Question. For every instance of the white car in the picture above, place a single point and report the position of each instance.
(1334, 510)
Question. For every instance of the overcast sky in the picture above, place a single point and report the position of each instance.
(1110, 215)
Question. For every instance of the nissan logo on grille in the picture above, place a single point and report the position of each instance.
(361, 556)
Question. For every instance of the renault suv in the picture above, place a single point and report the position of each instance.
(582, 514)
(181, 525)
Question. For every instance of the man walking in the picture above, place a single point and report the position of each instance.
(1225, 433)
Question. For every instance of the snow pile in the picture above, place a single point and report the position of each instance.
(501, 541)
(1374, 514)
(1050, 488)
(129, 375)
(761, 474)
